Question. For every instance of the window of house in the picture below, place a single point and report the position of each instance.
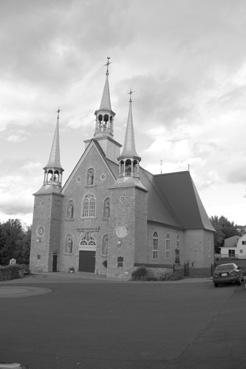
(89, 206)
(231, 253)
(90, 176)
(69, 244)
(177, 256)
(120, 261)
(106, 208)
(105, 245)
(167, 245)
(243, 242)
(177, 241)
(155, 246)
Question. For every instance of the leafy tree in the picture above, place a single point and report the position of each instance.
(14, 242)
(224, 229)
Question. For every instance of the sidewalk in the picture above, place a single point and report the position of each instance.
(82, 277)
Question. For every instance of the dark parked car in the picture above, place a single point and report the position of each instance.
(227, 273)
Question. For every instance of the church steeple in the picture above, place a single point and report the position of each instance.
(105, 114)
(129, 159)
(53, 170)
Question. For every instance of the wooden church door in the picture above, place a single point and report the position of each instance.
(87, 260)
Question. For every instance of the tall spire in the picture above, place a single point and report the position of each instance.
(106, 102)
(105, 114)
(53, 170)
(129, 150)
(129, 159)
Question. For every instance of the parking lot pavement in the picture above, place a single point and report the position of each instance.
(124, 325)
(221, 345)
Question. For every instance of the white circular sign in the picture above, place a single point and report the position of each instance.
(121, 231)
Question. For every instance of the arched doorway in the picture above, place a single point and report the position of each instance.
(87, 253)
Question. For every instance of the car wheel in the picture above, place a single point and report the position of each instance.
(239, 282)
(215, 284)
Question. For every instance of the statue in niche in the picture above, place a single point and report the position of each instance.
(106, 209)
(90, 176)
(70, 210)
(105, 245)
(69, 244)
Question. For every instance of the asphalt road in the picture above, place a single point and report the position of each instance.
(110, 325)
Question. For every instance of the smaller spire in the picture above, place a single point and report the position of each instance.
(54, 158)
(53, 170)
(129, 159)
(129, 149)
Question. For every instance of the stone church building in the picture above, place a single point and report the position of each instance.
(112, 215)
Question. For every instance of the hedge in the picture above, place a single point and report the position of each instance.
(13, 271)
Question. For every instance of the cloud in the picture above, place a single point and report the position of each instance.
(185, 60)
(18, 181)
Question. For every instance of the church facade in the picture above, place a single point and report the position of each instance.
(112, 215)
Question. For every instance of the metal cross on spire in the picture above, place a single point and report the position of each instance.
(107, 64)
(130, 93)
(58, 113)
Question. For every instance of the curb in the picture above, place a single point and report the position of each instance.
(11, 366)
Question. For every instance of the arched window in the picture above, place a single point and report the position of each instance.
(155, 246)
(56, 176)
(128, 167)
(167, 245)
(106, 208)
(88, 241)
(69, 244)
(178, 241)
(90, 176)
(70, 209)
(89, 206)
(177, 256)
(50, 175)
(105, 245)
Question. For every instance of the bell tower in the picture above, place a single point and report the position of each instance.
(104, 127)
(129, 159)
(53, 169)
(45, 241)
(105, 115)
(128, 239)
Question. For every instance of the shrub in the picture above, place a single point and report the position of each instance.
(140, 274)
(12, 272)
(171, 276)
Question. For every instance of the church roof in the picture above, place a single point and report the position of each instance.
(159, 208)
(172, 199)
(184, 200)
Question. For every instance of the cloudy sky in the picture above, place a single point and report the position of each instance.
(185, 60)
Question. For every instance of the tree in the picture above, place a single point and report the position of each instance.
(224, 229)
(14, 242)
